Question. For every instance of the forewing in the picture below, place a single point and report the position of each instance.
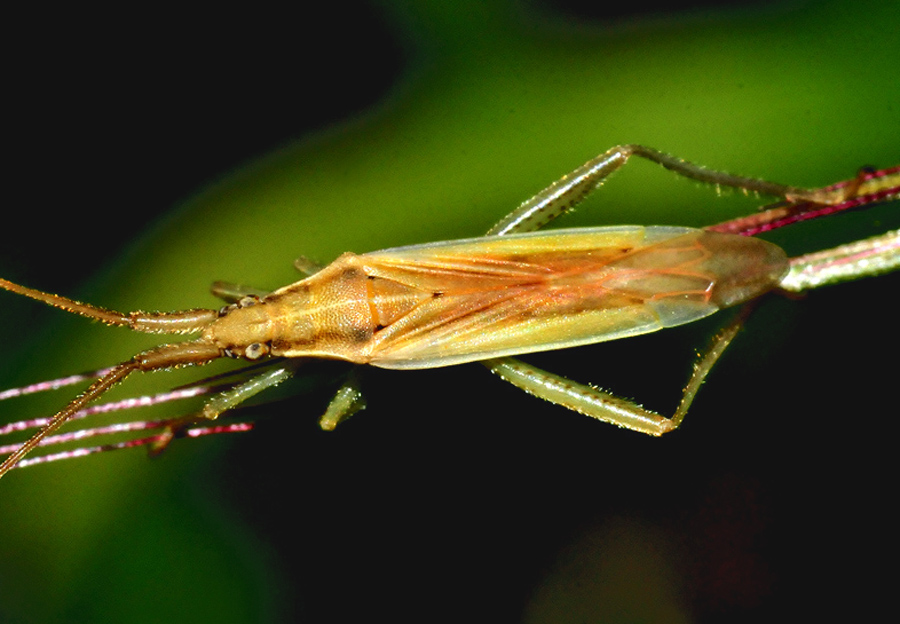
(509, 295)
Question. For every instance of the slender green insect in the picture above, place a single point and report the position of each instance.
(514, 291)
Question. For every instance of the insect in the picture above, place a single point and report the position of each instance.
(514, 291)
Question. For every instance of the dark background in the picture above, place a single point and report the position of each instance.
(453, 497)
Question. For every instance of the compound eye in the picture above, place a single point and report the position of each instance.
(256, 351)
(247, 301)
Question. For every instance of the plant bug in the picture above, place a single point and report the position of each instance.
(514, 291)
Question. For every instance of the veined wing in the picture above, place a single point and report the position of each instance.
(507, 295)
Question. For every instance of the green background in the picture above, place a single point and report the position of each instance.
(453, 497)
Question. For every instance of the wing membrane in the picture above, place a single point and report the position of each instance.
(518, 294)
